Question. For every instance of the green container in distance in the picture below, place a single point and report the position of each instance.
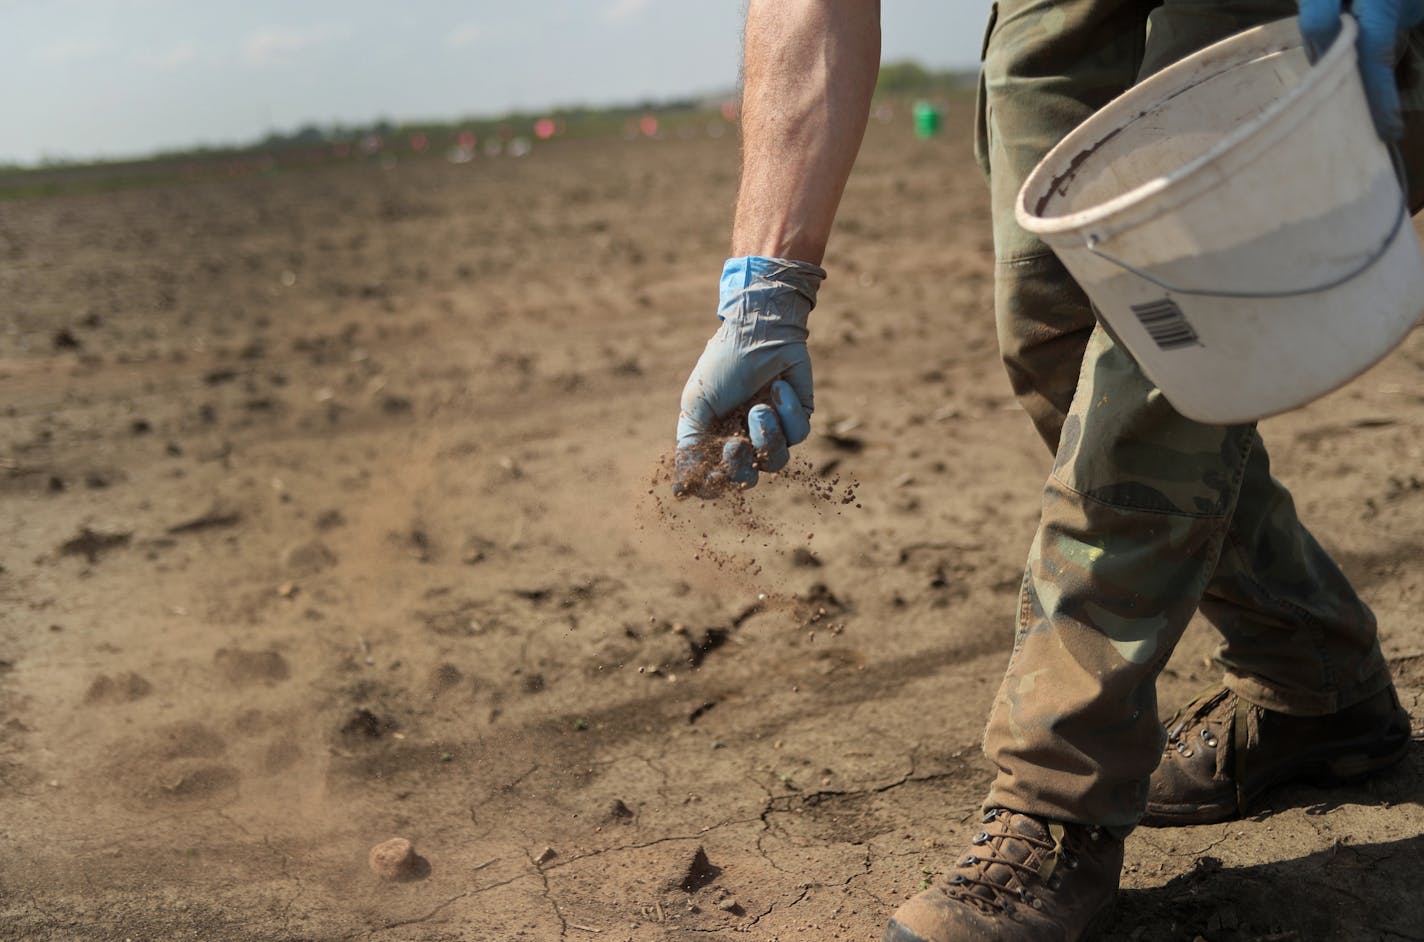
(927, 118)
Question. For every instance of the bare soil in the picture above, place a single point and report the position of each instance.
(329, 518)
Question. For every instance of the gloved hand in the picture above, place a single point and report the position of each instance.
(759, 353)
(1381, 23)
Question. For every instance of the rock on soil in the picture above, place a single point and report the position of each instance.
(396, 861)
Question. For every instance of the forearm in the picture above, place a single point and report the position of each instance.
(810, 69)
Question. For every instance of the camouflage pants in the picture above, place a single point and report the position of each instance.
(1147, 515)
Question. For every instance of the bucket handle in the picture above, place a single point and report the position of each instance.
(1401, 218)
(1357, 271)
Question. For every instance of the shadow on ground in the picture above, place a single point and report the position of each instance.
(1348, 892)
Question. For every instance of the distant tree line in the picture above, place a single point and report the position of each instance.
(897, 79)
(910, 78)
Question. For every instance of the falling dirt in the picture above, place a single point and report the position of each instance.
(329, 519)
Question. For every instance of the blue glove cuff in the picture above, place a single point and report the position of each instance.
(769, 288)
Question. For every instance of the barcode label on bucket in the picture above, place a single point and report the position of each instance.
(1166, 324)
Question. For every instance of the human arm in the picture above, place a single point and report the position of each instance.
(809, 72)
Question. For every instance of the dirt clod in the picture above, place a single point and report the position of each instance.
(396, 861)
(700, 872)
(804, 558)
(308, 558)
(367, 724)
(92, 544)
(246, 667)
(121, 688)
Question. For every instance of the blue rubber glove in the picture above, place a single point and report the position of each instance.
(759, 353)
(1381, 24)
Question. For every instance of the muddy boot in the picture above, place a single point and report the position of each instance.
(1023, 879)
(1222, 752)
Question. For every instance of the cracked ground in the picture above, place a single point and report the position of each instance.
(332, 515)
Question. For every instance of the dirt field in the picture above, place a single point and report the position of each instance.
(328, 518)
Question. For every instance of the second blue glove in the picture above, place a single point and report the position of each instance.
(1382, 23)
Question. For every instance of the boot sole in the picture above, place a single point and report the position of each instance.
(1328, 772)
(895, 932)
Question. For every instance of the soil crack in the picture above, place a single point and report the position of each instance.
(548, 896)
(436, 911)
(671, 839)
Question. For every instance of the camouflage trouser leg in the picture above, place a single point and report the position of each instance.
(1147, 514)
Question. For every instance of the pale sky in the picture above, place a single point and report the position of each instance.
(87, 78)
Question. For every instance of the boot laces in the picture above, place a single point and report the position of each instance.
(973, 871)
(1192, 715)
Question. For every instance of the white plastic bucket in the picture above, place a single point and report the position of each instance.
(1238, 225)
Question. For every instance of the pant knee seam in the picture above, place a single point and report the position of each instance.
(1136, 508)
(1016, 260)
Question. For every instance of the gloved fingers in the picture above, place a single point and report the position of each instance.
(1319, 25)
(692, 426)
(767, 438)
(795, 419)
(1378, 47)
(739, 462)
(706, 467)
(798, 375)
(690, 468)
(694, 455)
(1383, 95)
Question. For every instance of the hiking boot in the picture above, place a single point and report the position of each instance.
(1023, 879)
(1222, 752)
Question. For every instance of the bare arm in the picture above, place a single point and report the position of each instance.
(810, 69)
